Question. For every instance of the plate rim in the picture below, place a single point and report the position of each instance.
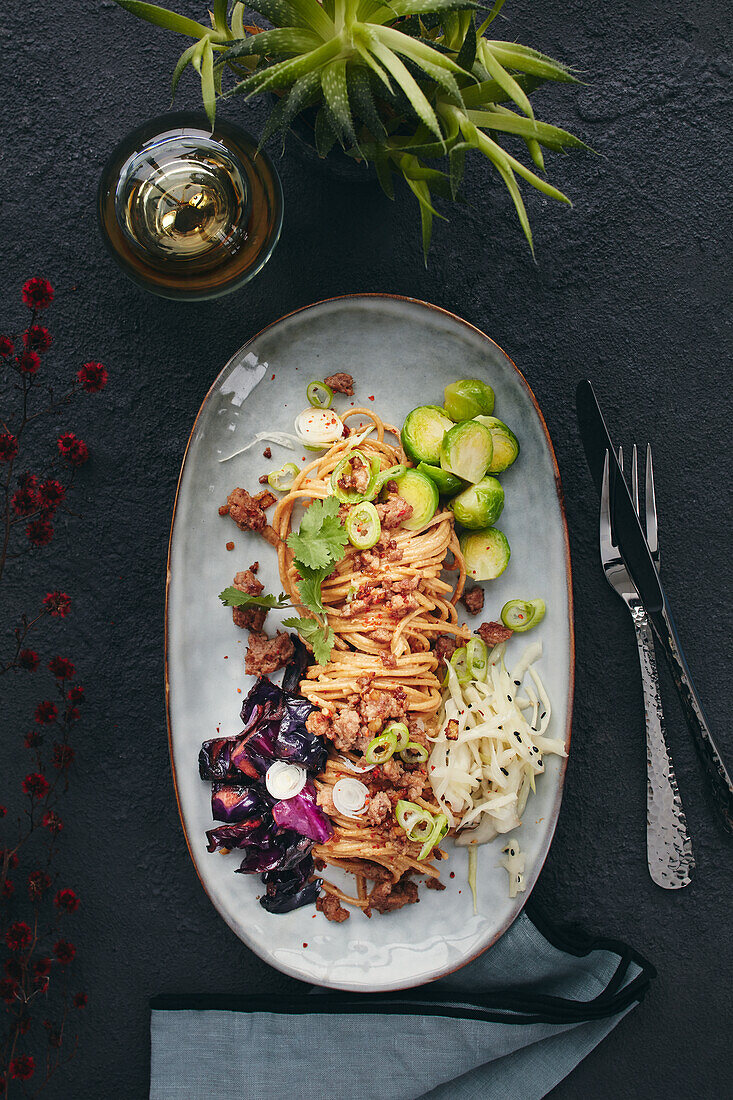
(540, 862)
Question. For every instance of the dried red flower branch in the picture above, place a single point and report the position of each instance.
(38, 293)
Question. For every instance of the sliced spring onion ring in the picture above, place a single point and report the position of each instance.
(355, 767)
(414, 753)
(282, 480)
(477, 659)
(459, 664)
(419, 824)
(350, 797)
(521, 615)
(440, 828)
(384, 476)
(401, 732)
(319, 394)
(285, 780)
(381, 748)
(363, 526)
(317, 429)
(345, 468)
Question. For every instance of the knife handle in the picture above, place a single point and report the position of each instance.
(719, 778)
(668, 846)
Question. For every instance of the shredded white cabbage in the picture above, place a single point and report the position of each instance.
(484, 775)
(514, 863)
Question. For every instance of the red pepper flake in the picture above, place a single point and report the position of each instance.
(230, 546)
(239, 691)
(273, 378)
(371, 396)
(305, 945)
(226, 658)
(452, 874)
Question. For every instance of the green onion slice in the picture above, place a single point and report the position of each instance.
(459, 663)
(282, 479)
(345, 466)
(401, 732)
(362, 525)
(477, 660)
(319, 395)
(383, 476)
(521, 615)
(381, 749)
(414, 753)
(440, 828)
(419, 824)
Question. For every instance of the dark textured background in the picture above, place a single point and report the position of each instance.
(630, 288)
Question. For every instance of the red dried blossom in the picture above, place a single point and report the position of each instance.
(38, 293)
(63, 756)
(39, 531)
(61, 667)
(37, 338)
(92, 377)
(7, 347)
(3, 811)
(8, 888)
(42, 967)
(29, 660)
(25, 501)
(81, 1000)
(28, 362)
(52, 821)
(46, 712)
(79, 453)
(66, 900)
(8, 447)
(36, 785)
(52, 493)
(32, 739)
(72, 714)
(65, 442)
(58, 603)
(8, 990)
(18, 936)
(38, 883)
(22, 1066)
(76, 694)
(64, 952)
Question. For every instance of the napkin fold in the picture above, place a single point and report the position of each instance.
(509, 1026)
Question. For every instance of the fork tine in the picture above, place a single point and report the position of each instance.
(604, 527)
(635, 479)
(651, 504)
(621, 458)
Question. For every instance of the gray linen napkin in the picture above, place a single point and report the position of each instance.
(509, 1026)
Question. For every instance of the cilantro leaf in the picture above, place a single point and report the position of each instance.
(322, 538)
(319, 637)
(234, 597)
(309, 587)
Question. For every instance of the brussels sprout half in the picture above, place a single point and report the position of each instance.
(423, 431)
(506, 444)
(447, 484)
(486, 553)
(467, 398)
(467, 451)
(422, 494)
(479, 505)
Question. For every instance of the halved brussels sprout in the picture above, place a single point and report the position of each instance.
(479, 505)
(423, 431)
(467, 398)
(422, 494)
(467, 451)
(506, 444)
(486, 553)
(447, 484)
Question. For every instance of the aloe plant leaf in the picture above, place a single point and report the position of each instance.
(280, 13)
(409, 85)
(416, 50)
(285, 73)
(208, 87)
(456, 163)
(488, 92)
(527, 60)
(374, 65)
(552, 137)
(406, 8)
(362, 100)
(421, 191)
(220, 15)
(162, 17)
(500, 163)
(498, 5)
(185, 59)
(535, 151)
(326, 136)
(280, 40)
(238, 20)
(493, 150)
(335, 92)
(467, 53)
(505, 80)
(384, 171)
(315, 17)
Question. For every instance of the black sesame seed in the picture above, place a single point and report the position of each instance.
(518, 683)
(509, 698)
(504, 771)
(535, 749)
(539, 759)
(544, 712)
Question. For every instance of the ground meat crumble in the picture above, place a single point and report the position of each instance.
(266, 655)
(331, 907)
(248, 618)
(393, 512)
(493, 633)
(341, 383)
(473, 600)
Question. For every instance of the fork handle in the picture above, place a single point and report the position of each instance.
(719, 778)
(668, 845)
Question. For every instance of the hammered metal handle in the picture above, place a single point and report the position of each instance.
(668, 845)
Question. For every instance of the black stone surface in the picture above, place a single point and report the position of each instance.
(631, 288)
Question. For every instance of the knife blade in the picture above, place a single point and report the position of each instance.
(633, 547)
(627, 531)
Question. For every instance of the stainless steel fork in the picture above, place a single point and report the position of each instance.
(668, 845)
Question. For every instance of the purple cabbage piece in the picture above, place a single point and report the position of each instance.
(215, 758)
(255, 831)
(288, 890)
(286, 851)
(264, 703)
(303, 814)
(297, 665)
(232, 804)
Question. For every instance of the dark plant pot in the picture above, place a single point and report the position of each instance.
(301, 142)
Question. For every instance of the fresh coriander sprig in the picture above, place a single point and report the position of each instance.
(234, 597)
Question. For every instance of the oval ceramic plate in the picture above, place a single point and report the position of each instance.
(401, 353)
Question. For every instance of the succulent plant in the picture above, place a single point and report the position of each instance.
(402, 84)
